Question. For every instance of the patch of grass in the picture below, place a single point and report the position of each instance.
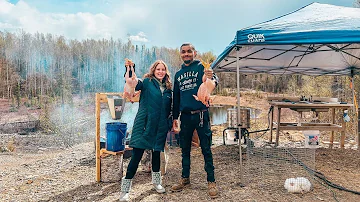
(3, 149)
(13, 109)
(11, 146)
(26, 104)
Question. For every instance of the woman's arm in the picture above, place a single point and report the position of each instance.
(140, 85)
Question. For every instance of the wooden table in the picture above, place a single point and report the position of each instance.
(102, 98)
(317, 107)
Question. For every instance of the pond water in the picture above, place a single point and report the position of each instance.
(218, 114)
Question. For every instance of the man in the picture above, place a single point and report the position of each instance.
(194, 115)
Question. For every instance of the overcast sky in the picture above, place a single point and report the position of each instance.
(209, 24)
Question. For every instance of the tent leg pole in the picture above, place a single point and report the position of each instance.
(357, 134)
(238, 111)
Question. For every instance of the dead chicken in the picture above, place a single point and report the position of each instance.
(205, 89)
(130, 82)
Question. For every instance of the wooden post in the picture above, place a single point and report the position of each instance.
(332, 132)
(342, 141)
(358, 134)
(278, 127)
(97, 140)
(271, 124)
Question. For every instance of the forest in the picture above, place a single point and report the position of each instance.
(36, 65)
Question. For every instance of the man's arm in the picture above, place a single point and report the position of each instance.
(176, 105)
(210, 74)
(176, 99)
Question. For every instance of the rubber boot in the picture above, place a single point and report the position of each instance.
(125, 189)
(156, 181)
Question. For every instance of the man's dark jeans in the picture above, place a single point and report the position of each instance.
(190, 122)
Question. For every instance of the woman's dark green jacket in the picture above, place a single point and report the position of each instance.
(151, 123)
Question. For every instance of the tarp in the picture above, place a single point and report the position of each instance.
(318, 39)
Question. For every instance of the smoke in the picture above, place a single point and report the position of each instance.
(70, 124)
(127, 117)
(129, 114)
(75, 123)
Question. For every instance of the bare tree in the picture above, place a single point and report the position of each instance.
(357, 3)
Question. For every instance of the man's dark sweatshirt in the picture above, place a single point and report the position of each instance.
(186, 84)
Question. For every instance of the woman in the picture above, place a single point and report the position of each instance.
(150, 125)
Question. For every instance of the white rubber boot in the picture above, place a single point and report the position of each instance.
(125, 189)
(156, 181)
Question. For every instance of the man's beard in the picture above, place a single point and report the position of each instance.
(187, 61)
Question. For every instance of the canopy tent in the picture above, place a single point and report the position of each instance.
(318, 39)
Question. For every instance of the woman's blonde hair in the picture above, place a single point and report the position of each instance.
(152, 73)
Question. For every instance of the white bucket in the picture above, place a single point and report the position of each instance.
(230, 136)
(311, 138)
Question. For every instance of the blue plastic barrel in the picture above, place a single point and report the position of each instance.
(115, 136)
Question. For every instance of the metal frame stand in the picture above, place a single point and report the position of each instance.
(243, 133)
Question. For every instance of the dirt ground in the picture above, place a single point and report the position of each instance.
(41, 168)
(69, 175)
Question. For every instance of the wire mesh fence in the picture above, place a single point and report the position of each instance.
(267, 168)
